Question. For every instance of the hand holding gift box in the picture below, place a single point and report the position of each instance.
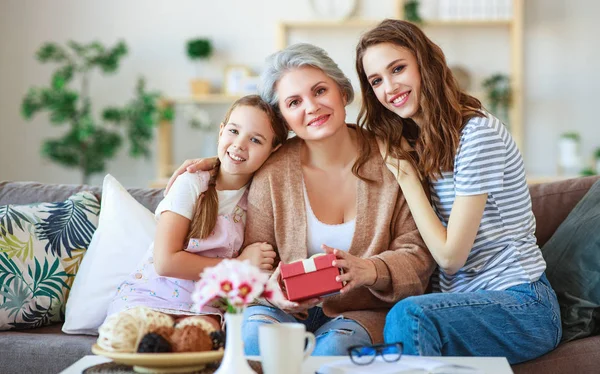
(313, 277)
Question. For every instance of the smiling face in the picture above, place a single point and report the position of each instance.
(393, 73)
(311, 103)
(245, 141)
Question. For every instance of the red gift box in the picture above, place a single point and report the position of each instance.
(312, 277)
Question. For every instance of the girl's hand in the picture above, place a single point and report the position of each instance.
(290, 307)
(357, 272)
(400, 168)
(194, 165)
(261, 255)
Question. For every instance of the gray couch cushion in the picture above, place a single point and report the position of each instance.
(41, 350)
(34, 192)
(573, 259)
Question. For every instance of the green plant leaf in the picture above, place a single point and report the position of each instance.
(108, 61)
(71, 266)
(48, 280)
(412, 12)
(113, 115)
(64, 151)
(67, 226)
(88, 144)
(62, 76)
(199, 48)
(9, 271)
(13, 247)
(34, 316)
(51, 52)
(15, 297)
(10, 215)
(32, 103)
(571, 135)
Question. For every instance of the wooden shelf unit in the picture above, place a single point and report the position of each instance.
(514, 26)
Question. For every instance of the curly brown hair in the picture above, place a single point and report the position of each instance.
(445, 109)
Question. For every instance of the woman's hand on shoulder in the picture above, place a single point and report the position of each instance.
(290, 307)
(261, 255)
(357, 272)
(192, 166)
(400, 168)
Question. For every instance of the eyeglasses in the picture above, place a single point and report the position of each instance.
(365, 354)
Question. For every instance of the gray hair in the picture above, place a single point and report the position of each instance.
(295, 56)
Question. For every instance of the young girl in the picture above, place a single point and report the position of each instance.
(201, 220)
(493, 297)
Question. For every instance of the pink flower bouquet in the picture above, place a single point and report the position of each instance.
(232, 285)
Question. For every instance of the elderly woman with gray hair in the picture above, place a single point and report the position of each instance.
(328, 191)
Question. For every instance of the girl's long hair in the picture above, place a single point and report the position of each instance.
(445, 109)
(207, 208)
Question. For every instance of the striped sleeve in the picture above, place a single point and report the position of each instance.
(480, 162)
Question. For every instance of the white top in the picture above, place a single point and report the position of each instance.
(318, 233)
(505, 252)
(183, 196)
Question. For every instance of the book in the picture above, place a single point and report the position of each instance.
(406, 365)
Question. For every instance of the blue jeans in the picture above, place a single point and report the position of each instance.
(520, 323)
(333, 335)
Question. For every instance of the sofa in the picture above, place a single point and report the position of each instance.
(49, 350)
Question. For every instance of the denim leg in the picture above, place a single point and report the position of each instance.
(336, 335)
(255, 316)
(520, 323)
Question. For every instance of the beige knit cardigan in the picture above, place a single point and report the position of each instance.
(385, 233)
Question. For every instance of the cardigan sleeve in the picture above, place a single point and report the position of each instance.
(405, 268)
(260, 217)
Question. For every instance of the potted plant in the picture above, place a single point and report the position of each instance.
(569, 160)
(587, 172)
(411, 11)
(597, 160)
(89, 143)
(197, 50)
(499, 95)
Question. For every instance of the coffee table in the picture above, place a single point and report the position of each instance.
(487, 365)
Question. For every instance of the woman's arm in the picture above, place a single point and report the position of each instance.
(170, 260)
(450, 246)
(192, 166)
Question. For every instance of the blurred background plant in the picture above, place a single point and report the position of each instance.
(597, 160)
(89, 143)
(499, 95)
(569, 157)
(411, 11)
(199, 49)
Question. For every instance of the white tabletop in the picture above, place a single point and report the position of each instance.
(487, 365)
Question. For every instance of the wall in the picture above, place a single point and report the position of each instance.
(559, 67)
(562, 55)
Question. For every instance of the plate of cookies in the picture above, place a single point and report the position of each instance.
(152, 342)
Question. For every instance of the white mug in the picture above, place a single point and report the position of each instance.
(283, 347)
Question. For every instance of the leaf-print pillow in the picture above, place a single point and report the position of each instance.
(41, 248)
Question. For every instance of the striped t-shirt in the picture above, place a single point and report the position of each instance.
(505, 252)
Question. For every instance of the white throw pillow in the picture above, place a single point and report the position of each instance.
(125, 231)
